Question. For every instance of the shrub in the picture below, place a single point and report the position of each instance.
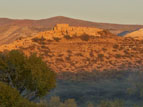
(84, 37)
(91, 53)
(10, 97)
(115, 46)
(100, 56)
(68, 58)
(26, 73)
(56, 39)
(69, 51)
(115, 103)
(37, 39)
(56, 102)
(70, 103)
(78, 54)
(67, 37)
(118, 56)
(90, 105)
(104, 49)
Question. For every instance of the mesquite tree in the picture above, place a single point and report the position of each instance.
(29, 75)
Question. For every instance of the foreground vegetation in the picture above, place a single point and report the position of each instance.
(123, 90)
(27, 81)
(23, 77)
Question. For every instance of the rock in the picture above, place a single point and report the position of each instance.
(60, 30)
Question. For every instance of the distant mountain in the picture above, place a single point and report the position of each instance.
(12, 29)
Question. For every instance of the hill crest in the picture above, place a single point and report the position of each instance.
(82, 53)
(58, 32)
(11, 29)
(61, 30)
(138, 34)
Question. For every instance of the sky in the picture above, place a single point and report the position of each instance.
(108, 11)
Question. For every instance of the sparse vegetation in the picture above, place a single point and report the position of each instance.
(118, 56)
(115, 46)
(56, 39)
(115, 103)
(101, 89)
(84, 37)
(68, 37)
(27, 78)
(36, 39)
(10, 97)
(100, 56)
(105, 89)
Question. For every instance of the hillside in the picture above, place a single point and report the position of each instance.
(138, 34)
(67, 48)
(12, 29)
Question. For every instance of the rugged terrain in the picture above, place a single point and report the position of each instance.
(67, 48)
(12, 29)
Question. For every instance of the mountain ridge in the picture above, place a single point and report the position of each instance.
(55, 17)
(33, 27)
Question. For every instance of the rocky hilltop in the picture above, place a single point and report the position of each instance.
(61, 30)
(11, 29)
(75, 49)
(58, 32)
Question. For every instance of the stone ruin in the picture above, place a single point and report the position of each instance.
(64, 29)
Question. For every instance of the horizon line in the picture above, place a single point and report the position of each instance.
(38, 19)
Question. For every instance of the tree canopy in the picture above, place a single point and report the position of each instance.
(28, 74)
(10, 97)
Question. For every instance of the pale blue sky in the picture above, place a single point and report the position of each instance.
(111, 11)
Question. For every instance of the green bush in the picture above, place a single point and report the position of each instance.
(10, 97)
(29, 75)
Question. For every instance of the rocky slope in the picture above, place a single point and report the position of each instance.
(12, 29)
(77, 49)
(138, 34)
